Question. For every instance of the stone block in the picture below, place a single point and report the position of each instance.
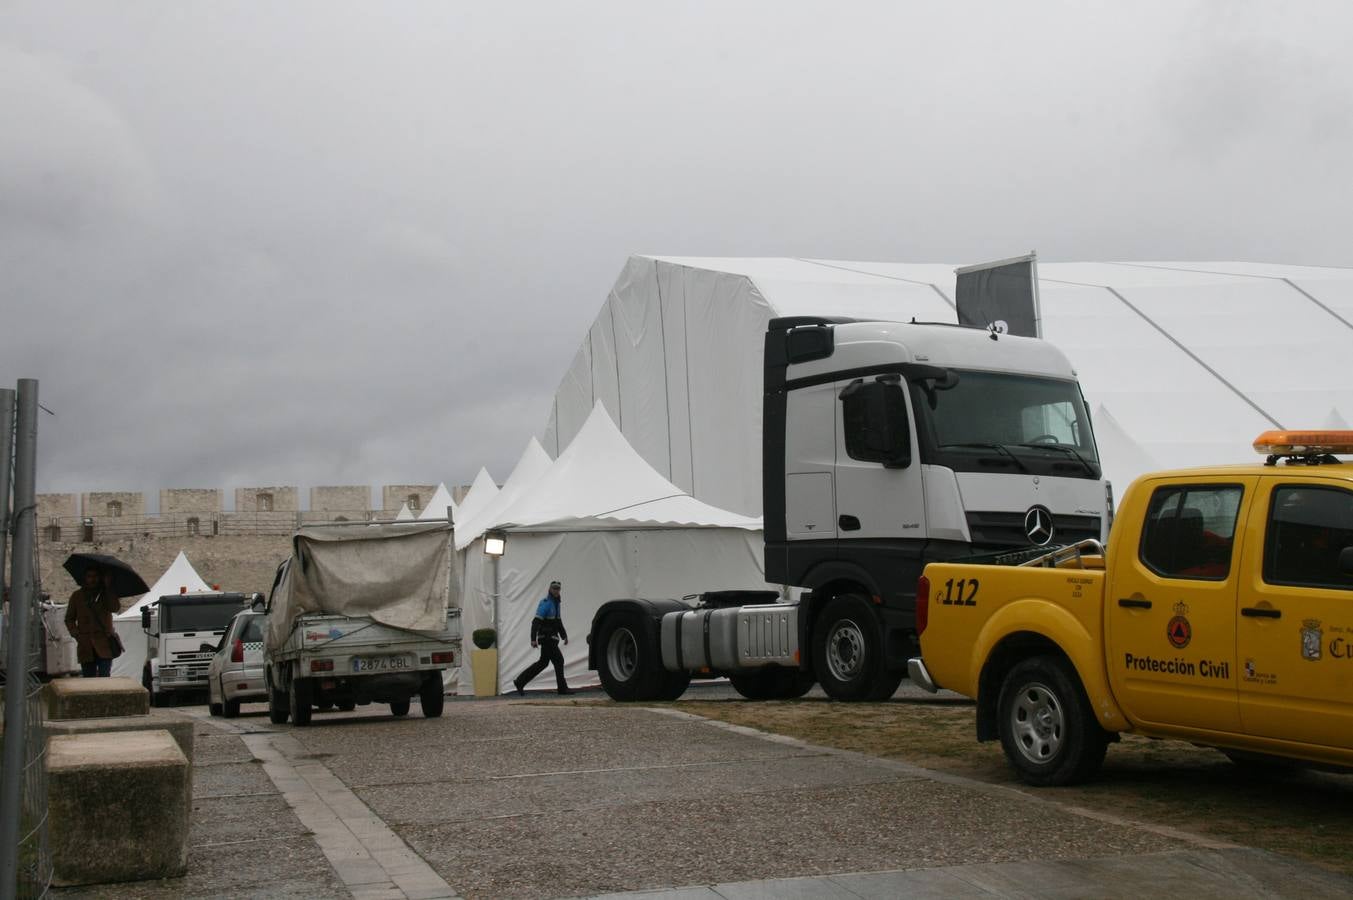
(276, 499)
(118, 807)
(181, 501)
(113, 504)
(393, 496)
(94, 698)
(350, 500)
(179, 726)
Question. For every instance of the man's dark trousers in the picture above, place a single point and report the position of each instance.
(549, 653)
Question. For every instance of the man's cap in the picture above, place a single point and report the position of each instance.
(555, 584)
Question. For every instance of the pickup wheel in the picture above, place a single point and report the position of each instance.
(628, 665)
(432, 696)
(279, 708)
(1048, 729)
(399, 707)
(772, 684)
(847, 652)
(231, 709)
(214, 708)
(299, 701)
(347, 705)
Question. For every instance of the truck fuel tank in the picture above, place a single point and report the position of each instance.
(731, 639)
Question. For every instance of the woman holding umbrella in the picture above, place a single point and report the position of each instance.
(89, 619)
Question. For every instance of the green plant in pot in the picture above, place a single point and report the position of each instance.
(484, 638)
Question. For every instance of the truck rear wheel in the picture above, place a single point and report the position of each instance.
(299, 701)
(772, 683)
(1048, 729)
(279, 708)
(432, 696)
(847, 652)
(629, 665)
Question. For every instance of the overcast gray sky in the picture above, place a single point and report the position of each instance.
(332, 243)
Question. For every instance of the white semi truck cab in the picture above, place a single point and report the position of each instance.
(176, 627)
(886, 445)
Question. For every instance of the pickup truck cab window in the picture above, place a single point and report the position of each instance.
(1189, 531)
(1308, 527)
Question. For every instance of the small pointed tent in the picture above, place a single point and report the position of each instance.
(603, 522)
(532, 464)
(482, 491)
(438, 506)
(178, 577)
(405, 514)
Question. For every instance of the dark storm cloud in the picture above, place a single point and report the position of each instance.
(321, 243)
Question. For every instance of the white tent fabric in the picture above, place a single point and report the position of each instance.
(603, 522)
(178, 577)
(1192, 359)
(405, 514)
(532, 463)
(481, 493)
(437, 507)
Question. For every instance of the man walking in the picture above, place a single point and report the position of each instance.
(547, 628)
(89, 619)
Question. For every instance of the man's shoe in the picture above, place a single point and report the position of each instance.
(567, 691)
(521, 691)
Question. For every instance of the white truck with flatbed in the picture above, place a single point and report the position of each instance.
(360, 615)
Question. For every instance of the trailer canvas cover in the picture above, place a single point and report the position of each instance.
(398, 575)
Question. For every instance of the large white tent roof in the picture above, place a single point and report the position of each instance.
(600, 482)
(1181, 363)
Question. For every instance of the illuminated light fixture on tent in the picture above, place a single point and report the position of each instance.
(495, 543)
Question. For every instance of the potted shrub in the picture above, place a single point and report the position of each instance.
(484, 662)
(484, 638)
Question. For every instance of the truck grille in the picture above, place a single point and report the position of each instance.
(1003, 529)
(192, 663)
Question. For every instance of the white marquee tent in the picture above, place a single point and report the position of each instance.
(437, 507)
(482, 491)
(180, 576)
(604, 523)
(532, 464)
(1181, 363)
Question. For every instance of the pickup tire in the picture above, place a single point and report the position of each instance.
(279, 708)
(628, 664)
(214, 708)
(231, 709)
(847, 651)
(432, 696)
(298, 697)
(1048, 729)
(399, 707)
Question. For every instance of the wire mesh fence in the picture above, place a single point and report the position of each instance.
(33, 877)
(86, 529)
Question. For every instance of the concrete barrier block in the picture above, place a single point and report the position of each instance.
(118, 807)
(179, 726)
(95, 698)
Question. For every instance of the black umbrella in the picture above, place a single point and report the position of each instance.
(126, 583)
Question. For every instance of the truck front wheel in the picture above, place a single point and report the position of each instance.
(772, 683)
(628, 665)
(299, 701)
(847, 652)
(1048, 729)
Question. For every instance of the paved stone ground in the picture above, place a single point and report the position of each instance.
(546, 797)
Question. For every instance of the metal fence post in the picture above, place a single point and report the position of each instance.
(6, 469)
(23, 599)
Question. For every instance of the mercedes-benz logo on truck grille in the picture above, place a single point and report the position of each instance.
(1038, 525)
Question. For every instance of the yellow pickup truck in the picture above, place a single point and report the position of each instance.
(1221, 613)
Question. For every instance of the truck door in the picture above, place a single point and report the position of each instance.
(1170, 607)
(1295, 630)
(878, 480)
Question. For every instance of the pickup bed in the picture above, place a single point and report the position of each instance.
(1220, 613)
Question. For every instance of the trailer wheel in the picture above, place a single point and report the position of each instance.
(432, 696)
(628, 665)
(279, 708)
(1048, 729)
(772, 683)
(847, 652)
(299, 701)
(399, 707)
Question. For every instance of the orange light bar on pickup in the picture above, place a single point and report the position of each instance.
(1304, 443)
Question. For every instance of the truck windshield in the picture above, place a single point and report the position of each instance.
(198, 615)
(993, 420)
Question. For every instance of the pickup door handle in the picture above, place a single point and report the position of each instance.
(1134, 604)
(1261, 612)
(848, 523)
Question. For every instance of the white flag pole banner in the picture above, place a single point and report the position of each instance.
(1000, 295)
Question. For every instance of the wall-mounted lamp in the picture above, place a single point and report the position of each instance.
(495, 543)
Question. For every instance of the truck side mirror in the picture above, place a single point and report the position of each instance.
(1346, 561)
(806, 344)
